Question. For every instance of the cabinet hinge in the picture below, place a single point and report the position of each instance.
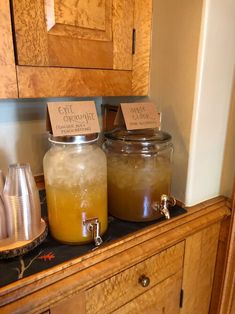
(181, 298)
(133, 40)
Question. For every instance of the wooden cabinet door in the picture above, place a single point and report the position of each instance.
(199, 266)
(70, 33)
(164, 298)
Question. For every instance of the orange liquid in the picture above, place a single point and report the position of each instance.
(68, 207)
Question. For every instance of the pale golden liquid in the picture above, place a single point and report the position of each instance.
(134, 184)
(68, 207)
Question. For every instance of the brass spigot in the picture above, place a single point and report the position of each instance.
(163, 205)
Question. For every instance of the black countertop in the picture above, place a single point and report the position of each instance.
(51, 253)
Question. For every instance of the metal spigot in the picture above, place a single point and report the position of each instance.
(93, 226)
(163, 205)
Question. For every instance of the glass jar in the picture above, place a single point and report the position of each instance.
(139, 173)
(75, 172)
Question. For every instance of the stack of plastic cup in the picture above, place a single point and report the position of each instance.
(22, 203)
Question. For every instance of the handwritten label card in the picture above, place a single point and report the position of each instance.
(140, 115)
(73, 118)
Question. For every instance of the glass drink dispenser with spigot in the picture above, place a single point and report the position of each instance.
(139, 173)
(75, 174)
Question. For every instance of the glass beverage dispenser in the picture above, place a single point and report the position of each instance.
(75, 173)
(139, 173)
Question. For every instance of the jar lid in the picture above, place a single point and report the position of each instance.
(139, 136)
(75, 139)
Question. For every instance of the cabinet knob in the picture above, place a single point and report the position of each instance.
(144, 281)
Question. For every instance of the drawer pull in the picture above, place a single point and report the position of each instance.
(144, 281)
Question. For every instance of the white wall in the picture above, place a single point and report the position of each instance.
(212, 101)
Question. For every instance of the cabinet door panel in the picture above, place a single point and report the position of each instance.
(162, 299)
(69, 33)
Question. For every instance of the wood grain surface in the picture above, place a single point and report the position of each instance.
(120, 289)
(72, 305)
(123, 19)
(61, 82)
(73, 52)
(80, 19)
(227, 300)
(141, 58)
(163, 298)
(199, 264)
(8, 86)
(30, 32)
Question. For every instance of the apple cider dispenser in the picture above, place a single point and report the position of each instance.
(75, 173)
(139, 173)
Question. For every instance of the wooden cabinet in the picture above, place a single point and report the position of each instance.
(80, 48)
(170, 267)
(138, 283)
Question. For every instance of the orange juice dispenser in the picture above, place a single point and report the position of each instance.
(139, 173)
(75, 174)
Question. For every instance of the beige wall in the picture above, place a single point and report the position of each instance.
(193, 55)
(23, 136)
(175, 41)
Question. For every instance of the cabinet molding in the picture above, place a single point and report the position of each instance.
(61, 82)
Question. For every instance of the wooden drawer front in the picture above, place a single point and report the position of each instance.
(121, 288)
(163, 298)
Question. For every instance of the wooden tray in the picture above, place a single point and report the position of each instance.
(9, 249)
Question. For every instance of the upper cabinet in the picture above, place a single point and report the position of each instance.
(81, 48)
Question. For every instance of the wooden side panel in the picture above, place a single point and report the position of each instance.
(120, 289)
(123, 18)
(227, 301)
(220, 265)
(60, 82)
(199, 265)
(141, 58)
(74, 304)
(8, 86)
(161, 299)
